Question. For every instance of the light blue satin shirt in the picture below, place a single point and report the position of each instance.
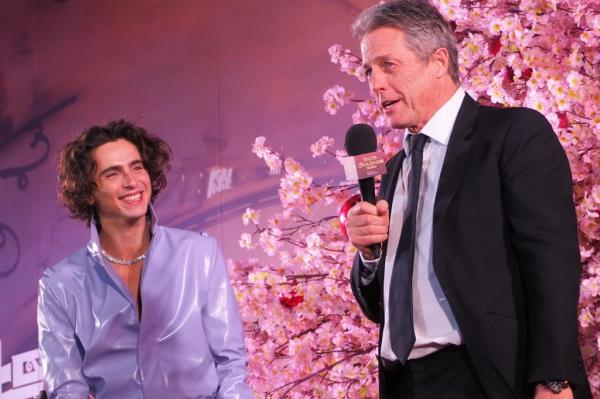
(188, 344)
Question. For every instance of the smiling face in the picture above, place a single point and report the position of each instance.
(123, 186)
(405, 86)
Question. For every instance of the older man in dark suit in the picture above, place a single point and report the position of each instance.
(477, 283)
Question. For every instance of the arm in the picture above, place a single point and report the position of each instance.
(366, 290)
(59, 351)
(224, 331)
(367, 224)
(538, 202)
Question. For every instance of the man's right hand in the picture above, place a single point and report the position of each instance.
(368, 224)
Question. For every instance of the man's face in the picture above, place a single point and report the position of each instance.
(403, 84)
(123, 185)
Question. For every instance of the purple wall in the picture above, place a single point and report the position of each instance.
(208, 76)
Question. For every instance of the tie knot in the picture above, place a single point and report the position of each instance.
(416, 142)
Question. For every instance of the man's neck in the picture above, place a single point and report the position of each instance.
(125, 240)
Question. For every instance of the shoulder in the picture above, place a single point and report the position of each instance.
(66, 274)
(197, 250)
(512, 128)
(184, 234)
(513, 117)
(187, 237)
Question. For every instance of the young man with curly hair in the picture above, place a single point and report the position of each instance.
(142, 310)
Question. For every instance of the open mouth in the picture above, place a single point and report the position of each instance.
(133, 198)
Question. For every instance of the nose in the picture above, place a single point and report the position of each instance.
(128, 179)
(376, 82)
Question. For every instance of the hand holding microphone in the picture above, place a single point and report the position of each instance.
(368, 226)
(368, 221)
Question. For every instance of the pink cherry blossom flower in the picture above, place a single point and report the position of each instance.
(250, 216)
(320, 147)
(246, 241)
(259, 147)
(273, 163)
(335, 51)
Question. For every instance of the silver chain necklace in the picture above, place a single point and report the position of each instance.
(124, 262)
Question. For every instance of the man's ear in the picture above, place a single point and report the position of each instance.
(90, 200)
(441, 59)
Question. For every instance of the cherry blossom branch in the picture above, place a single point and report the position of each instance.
(292, 384)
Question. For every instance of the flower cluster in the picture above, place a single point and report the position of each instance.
(321, 146)
(272, 159)
(348, 62)
(250, 216)
(305, 334)
(335, 98)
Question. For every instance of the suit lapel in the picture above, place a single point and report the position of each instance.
(386, 192)
(388, 183)
(456, 156)
(452, 169)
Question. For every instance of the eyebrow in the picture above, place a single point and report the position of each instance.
(119, 167)
(377, 59)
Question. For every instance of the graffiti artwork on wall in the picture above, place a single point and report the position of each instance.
(219, 180)
(8, 239)
(10, 248)
(35, 125)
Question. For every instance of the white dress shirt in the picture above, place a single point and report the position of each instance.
(434, 323)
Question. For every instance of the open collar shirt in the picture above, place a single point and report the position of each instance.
(188, 342)
(434, 323)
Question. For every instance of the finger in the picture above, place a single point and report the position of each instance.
(366, 241)
(368, 229)
(382, 208)
(363, 208)
(366, 220)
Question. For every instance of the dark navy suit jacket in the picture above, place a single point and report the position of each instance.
(505, 250)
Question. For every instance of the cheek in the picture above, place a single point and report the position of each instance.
(146, 180)
(406, 86)
(102, 198)
(420, 88)
(106, 191)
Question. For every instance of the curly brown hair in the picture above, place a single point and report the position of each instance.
(76, 165)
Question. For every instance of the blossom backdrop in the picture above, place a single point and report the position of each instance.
(306, 337)
(207, 76)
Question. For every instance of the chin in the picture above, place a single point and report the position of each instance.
(136, 214)
(133, 219)
(399, 125)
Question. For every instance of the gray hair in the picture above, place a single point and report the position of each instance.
(424, 27)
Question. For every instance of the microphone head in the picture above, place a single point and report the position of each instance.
(360, 139)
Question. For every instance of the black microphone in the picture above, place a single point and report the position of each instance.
(361, 139)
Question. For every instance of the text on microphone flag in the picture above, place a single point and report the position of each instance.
(364, 166)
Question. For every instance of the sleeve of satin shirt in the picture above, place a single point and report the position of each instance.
(224, 331)
(60, 356)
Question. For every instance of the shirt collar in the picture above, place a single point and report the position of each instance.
(93, 246)
(439, 127)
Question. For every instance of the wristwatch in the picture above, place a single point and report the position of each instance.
(555, 386)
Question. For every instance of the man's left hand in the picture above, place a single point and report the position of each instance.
(542, 392)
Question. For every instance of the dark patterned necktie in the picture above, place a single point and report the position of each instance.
(402, 332)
